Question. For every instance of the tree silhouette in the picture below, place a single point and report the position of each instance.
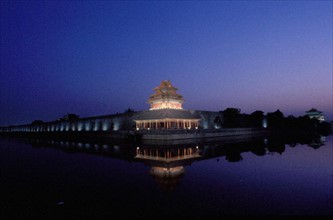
(231, 117)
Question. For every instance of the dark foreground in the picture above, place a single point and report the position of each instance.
(87, 180)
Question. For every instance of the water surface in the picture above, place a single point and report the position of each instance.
(80, 179)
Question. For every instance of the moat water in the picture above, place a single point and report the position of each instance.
(87, 180)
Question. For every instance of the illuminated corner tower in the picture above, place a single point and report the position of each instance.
(165, 97)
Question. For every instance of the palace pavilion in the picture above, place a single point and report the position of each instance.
(166, 111)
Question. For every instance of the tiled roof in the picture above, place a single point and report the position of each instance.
(166, 113)
(165, 91)
(313, 110)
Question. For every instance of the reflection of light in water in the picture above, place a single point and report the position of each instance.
(80, 145)
(105, 147)
(265, 141)
(167, 171)
(116, 148)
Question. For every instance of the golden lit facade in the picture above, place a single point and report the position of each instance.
(166, 111)
(165, 97)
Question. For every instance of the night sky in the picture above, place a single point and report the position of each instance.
(96, 58)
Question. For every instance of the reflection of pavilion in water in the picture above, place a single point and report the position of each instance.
(167, 164)
(317, 143)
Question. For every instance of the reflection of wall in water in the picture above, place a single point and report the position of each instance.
(167, 163)
(108, 149)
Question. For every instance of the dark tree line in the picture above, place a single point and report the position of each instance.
(233, 118)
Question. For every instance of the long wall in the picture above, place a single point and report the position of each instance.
(92, 124)
(116, 122)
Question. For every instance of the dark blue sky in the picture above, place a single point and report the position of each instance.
(95, 58)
